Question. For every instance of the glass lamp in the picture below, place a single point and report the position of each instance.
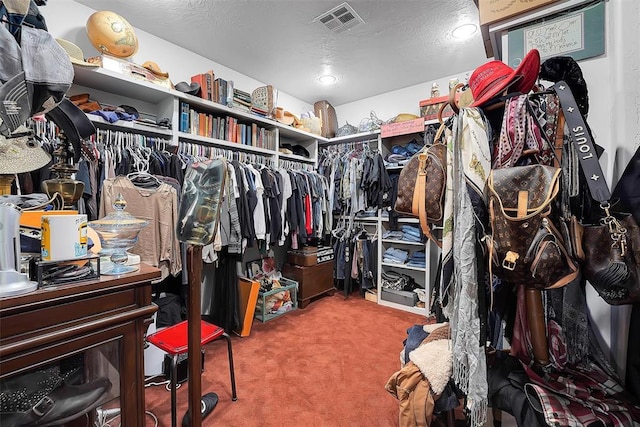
(70, 189)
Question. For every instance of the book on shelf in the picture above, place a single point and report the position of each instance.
(254, 134)
(184, 117)
(207, 88)
(221, 91)
(241, 95)
(202, 81)
(229, 94)
(211, 77)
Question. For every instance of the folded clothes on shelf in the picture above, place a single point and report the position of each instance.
(418, 259)
(393, 234)
(395, 255)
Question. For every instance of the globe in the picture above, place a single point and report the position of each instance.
(111, 34)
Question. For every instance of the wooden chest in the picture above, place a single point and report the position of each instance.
(313, 280)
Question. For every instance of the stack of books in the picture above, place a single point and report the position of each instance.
(241, 99)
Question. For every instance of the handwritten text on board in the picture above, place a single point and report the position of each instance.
(557, 37)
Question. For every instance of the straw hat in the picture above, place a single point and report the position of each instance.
(75, 53)
(155, 69)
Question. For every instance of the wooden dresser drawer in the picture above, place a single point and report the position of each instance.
(313, 280)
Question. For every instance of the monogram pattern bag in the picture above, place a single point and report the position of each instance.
(525, 244)
(421, 187)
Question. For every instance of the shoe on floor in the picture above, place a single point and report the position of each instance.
(207, 403)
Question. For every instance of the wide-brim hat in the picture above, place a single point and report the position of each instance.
(75, 53)
(490, 79)
(20, 152)
(286, 119)
(155, 69)
(192, 88)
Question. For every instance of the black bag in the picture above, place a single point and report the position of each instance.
(610, 245)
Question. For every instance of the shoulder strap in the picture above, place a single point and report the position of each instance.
(582, 141)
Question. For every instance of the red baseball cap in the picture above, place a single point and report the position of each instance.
(492, 78)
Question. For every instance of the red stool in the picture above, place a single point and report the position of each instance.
(173, 340)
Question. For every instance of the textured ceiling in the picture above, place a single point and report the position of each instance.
(401, 43)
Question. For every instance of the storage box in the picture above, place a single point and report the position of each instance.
(399, 297)
(402, 128)
(303, 259)
(277, 301)
(429, 108)
(310, 256)
(133, 70)
(496, 10)
(370, 295)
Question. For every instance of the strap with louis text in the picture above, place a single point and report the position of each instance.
(583, 143)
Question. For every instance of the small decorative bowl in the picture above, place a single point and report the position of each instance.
(118, 232)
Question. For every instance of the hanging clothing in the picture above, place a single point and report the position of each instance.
(157, 242)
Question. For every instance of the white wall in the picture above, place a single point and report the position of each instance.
(390, 104)
(66, 19)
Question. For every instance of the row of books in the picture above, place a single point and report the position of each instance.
(215, 89)
(226, 128)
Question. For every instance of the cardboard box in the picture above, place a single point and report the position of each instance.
(496, 10)
(370, 295)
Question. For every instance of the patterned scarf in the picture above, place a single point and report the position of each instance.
(521, 141)
(468, 164)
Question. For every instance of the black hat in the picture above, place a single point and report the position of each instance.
(191, 89)
(300, 151)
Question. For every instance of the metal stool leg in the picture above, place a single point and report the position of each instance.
(231, 370)
(174, 381)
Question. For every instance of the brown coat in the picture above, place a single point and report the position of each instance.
(413, 390)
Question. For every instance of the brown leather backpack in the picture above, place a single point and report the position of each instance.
(525, 244)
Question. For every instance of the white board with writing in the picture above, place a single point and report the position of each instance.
(556, 38)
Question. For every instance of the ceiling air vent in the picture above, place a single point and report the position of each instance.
(340, 18)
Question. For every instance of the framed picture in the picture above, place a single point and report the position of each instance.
(254, 269)
(261, 267)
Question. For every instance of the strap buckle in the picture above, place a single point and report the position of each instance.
(43, 406)
(509, 261)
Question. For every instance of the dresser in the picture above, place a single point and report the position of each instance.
(313, 280)
(101, 321)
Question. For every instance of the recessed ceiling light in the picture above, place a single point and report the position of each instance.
(327, 79)
(464, 31)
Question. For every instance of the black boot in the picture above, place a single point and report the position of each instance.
(63, 404)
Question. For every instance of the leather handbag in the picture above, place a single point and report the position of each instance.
(421, 187)
(525, 244)
(610, 247)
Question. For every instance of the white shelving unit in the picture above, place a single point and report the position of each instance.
(422, 276)
(154, 100)
(157, 101)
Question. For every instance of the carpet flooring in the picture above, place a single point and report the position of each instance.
(325, 365)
